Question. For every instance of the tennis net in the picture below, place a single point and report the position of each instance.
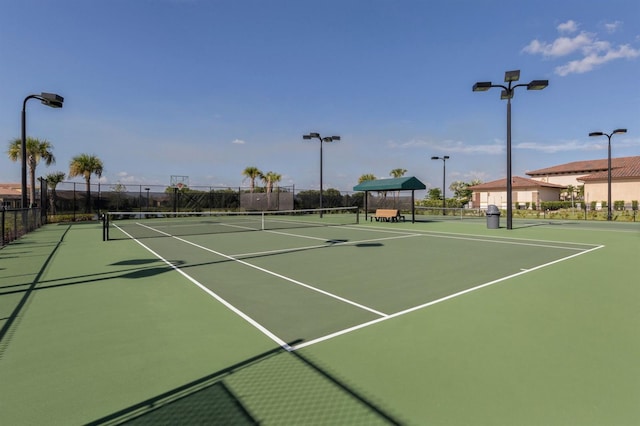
(158, 224)
(440, 213)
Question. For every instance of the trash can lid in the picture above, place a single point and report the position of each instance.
(493, 209)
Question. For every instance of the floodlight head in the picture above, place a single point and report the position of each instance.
(435, 158)
(537, 84)
(512, 76)
(314, 135)
(596, 134)
(306, 137)
(482, 86)
(446, 157)
(51, 100)
(618, 131)
(506, 94)
(327, 139)
(335, 138)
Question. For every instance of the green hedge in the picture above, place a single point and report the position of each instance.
(557, 205)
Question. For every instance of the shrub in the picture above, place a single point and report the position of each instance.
(634, 205)
(555, 205)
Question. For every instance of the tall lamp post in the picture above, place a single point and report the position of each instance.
(507, 93)
(608, 135)
(321, 139)
(49, 99)
(444, 174)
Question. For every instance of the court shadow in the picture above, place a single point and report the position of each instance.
(146, 272)
(135, 262)
(369, 245)
(337, 241)
(275, 387)
(543, 223)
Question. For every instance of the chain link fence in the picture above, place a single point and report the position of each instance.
(75, 201)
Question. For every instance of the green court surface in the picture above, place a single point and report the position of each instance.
(375, 323)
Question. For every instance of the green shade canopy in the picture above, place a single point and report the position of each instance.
(395, 184)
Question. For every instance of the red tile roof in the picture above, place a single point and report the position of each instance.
(621, 167)
(517, 182)
(10, 189)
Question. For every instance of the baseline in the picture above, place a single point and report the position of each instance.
(442, 299)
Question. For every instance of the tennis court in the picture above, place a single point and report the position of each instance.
(298, 280)
(331, 320)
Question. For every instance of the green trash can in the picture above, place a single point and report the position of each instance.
(493, 217)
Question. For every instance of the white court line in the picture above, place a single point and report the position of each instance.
(473, 237)
(326, 293)
(341, 243)
(434, 302)
(291, 280)
(363, 325)
(237, 311)
(517, 243)
(623, 231)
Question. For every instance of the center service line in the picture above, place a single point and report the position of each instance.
(275, 274)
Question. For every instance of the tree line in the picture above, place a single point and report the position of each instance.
(87, 165)
(37, 150)
(461, 192)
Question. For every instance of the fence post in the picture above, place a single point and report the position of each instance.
(74, 201)
(3, 227)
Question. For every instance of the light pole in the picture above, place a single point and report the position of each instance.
(321, 139)
(615, 132)
(49, 99)
(444, 174)
(507, 93)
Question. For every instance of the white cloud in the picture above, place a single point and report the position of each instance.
(612, 27)
(449, 146)
(573, 145)
(594, 52)
(561, 46)
(589, 62)
(238, 142)
(126, 178)
(568, 27)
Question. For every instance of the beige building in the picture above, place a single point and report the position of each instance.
(526, 193)
(10, 195)
(593, 174)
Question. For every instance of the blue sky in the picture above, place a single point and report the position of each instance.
(205, 88)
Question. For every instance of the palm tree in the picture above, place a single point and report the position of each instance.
(580, 192)
(36, 150)
(269, 179)
(397, 173)
(53, 179)
(366, 177)
(252, 173)
(85, 165)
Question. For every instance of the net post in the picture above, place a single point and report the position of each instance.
(105, 227)
(357, 215)
(262, 225)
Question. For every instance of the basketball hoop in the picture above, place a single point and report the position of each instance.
(179, 182)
